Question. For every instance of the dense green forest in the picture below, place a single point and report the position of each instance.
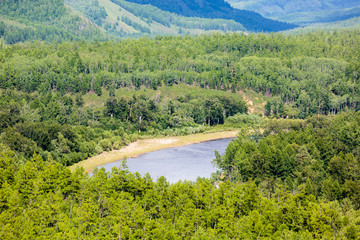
(304, 74)
(293, 172)
(44, 86)
(62, 129)
(45, 200)
(320, 153)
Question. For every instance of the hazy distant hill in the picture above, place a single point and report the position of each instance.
(304, 11)
(218, 9)
(352, 23)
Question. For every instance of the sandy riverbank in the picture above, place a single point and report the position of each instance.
(148, 145)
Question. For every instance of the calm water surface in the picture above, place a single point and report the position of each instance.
(179, 163)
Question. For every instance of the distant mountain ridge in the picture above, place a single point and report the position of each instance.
(218, 9)
(76, 20)
(301, 11)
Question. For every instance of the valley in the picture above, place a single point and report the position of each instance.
(87, 84)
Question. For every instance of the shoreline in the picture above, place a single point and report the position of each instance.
(142, 146)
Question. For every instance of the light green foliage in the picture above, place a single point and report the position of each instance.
(42, 200)
(240, 120)
(92, 10)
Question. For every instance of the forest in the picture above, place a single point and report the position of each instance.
(320, 153)
(252, 21)
(310, 192)
(191, 82)
(103, 20)
(292, 173)
(62, 129)
(152, 13)
(304, 74)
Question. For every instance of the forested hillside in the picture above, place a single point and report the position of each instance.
(219, 9)
(314, 73)
(329, 16)
(96, 20)
(43, 20)
(54, 87)
(126, 19)
(101, 20)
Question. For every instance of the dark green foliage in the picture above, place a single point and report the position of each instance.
(218, 9)
(321, 152)
(40, 124)
(2, 28)
(138, 110)
(61, 128)
(167, 19)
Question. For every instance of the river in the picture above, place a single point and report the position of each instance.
(179, 163)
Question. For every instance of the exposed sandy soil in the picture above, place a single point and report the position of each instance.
(148, 145)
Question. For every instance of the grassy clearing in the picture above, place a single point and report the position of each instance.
(114, 11)
(255, 101)
(149, 145)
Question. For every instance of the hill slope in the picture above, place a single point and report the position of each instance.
(302, 11)
(218, 9)
(70, 20)
(127, 19)
(47, 20)
(53, 21)
(352, 23)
